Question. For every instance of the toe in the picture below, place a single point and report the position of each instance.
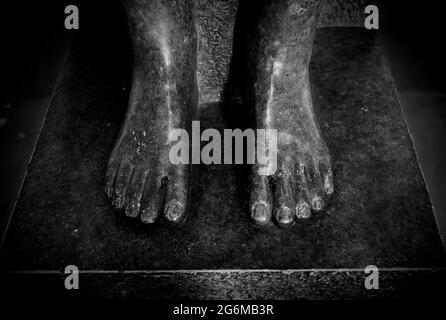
(175, 211)
(284, 216)
(152, 198)
(317, 203)
(177, 193)
(315, 188)
(261, 213)
(122, 181)
(110, 177)
(303, 208)
(134, 193)
(327, 177)
(284, 199)
(260, 209)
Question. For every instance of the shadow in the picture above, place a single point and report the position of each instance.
(238, 104)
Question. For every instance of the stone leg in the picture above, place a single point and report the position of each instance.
(280, 57)
(163, 97)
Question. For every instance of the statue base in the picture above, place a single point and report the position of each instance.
(379, 215)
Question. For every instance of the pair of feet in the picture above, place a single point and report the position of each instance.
(143, 183)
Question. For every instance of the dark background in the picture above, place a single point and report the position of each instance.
(34, 43)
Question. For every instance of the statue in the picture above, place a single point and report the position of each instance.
(166, 93)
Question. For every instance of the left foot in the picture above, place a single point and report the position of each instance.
(303, 180)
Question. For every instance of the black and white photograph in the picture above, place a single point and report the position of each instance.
(229, 157)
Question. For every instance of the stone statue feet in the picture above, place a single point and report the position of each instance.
(140, 175)
(303, 180)
(302, 183)
(140, 179)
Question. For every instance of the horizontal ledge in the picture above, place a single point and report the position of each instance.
(224, 271)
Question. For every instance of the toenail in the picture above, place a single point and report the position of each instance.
(260, 212)
(303, 210)
(117, 202)
(317, 204)
(148, 216)
(174, 210)
(132, 209)
(284, 216)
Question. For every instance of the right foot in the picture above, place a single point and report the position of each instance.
(139, 173)
(140, 178)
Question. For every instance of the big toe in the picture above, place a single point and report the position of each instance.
(284, 200)
(260, 208)
(177, 192)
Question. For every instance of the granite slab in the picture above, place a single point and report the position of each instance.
(379, 215)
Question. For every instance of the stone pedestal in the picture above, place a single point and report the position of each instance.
(380, 214)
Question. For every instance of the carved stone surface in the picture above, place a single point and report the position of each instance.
(215, 28)
(177, 49)
(382, 213)
(200, 285)
(343, 13)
